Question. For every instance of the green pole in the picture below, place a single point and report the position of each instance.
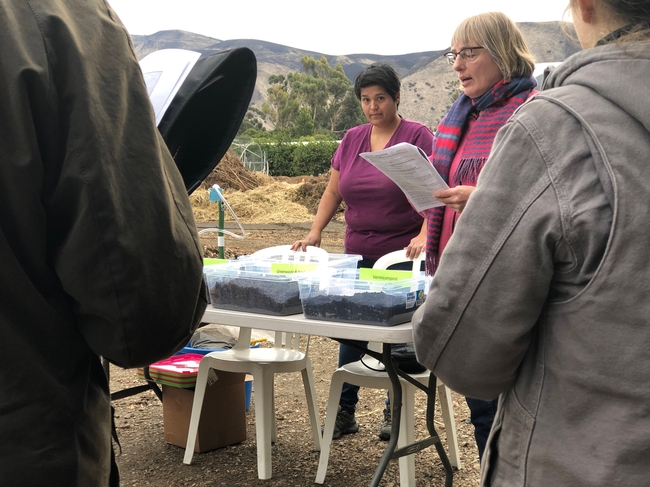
(221, 237)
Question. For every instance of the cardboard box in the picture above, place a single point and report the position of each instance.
(223, 417)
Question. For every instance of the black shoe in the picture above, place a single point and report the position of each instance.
(345, 425)
(386, 426)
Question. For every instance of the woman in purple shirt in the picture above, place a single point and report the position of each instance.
(378, 216)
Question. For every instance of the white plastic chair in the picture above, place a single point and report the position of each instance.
(362, 375)
(262, 364)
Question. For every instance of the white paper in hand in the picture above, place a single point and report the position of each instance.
(409, 167)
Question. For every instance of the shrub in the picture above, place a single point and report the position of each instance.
(298, 158)
(280, 157)
(313, 158)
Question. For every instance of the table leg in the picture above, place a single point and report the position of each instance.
(433, 439)
(431, 403)
(394, 373)
(396, 405)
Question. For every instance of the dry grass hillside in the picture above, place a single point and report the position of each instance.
(428, 82)
(428, 93)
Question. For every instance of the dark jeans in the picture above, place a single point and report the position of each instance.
(482, 417)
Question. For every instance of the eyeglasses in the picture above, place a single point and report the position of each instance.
(466, 54)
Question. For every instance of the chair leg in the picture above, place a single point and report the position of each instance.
(197, 405)
(336, 385)
(312, 406)
(263, 378)
(407, 436)
(447, 408)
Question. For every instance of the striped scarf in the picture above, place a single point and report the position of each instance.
(495, 108)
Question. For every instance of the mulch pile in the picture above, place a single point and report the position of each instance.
(230, 173)
(258, 198)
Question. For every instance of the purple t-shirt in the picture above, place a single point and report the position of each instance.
(379, 217)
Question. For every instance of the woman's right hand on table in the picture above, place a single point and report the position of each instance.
(312, 238)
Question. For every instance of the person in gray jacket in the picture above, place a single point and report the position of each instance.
(541, 295)
(99, 253)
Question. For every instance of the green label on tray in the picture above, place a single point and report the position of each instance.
(214, 261)
(281, 268)
(366, 274)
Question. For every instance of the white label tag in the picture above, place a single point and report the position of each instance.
(212, 377)
(410, 300)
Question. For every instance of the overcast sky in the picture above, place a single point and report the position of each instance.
(333, 27)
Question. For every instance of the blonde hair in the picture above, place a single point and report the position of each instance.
(501, 38)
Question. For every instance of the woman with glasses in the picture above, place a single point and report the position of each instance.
(495, 67)
(541, 296)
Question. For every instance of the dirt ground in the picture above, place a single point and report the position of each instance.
(146, 460)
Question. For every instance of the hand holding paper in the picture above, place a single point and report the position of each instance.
(409, 167)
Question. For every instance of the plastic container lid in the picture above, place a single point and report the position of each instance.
(338, 261)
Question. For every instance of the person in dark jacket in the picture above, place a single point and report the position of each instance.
(99, 253)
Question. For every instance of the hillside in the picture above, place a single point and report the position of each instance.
(427, 80)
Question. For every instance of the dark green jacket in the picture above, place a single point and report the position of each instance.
(99, 254)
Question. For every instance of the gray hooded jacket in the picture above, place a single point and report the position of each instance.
(541, 296)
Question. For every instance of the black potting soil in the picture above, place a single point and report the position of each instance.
(257, 296)
(374, 308)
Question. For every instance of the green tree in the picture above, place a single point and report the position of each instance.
(351, 114)
(281, 107)
(321, 92)
(310, 91)
(278, 79)
(326, 92)
(304, 125)
(253, 121)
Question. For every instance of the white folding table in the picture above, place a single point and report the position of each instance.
(344, 333)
